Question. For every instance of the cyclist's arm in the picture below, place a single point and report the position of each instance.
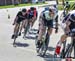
(67, 26)
(17, 16)
(41, 18)
(66, 18)
(56, 26)
(15, 20)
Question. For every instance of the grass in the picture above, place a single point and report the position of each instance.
(71, 0)
(60, 7)
(20, 5)
(65, 0)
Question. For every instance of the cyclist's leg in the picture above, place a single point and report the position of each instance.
(24, 23)
(16, 28)
(41, 32)
(30, 23)
(49, 31)
(62, 39)
(33, 20)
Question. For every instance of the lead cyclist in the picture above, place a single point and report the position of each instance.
(45, 20)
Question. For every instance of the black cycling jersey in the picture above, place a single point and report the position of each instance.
(67, 18)
(21, 17)
(72, 25)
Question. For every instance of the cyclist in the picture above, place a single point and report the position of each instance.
(68, 25)
(32, 15)
(20, 17)
(46, 19)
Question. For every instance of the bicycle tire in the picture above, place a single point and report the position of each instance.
(42, 50)
(62, 55)
(44, 47)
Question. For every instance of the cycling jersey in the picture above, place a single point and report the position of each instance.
(21, 17)
(70, 17)
(47, 16)
(47, 20)
(32, 14)
(66, 18)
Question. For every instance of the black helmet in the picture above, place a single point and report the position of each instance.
(32, 8)
(72, 17)
(24, 10)
(67, 2)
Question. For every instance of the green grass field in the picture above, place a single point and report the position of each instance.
(60, 7)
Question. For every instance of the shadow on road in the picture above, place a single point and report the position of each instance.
(50, 57)
(51, 48)
(18, 44)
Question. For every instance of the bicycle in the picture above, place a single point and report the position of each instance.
(44, 46)
(67, 49)
(27, 28)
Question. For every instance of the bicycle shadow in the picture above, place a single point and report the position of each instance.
(50, 57)
(51, 48)
(18, 44)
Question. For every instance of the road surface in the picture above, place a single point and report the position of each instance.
(25, 50)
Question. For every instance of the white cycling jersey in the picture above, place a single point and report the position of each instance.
(48, 17)
(63, 25)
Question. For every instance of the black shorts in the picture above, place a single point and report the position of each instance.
(72, 25)
(18, 21)
(49, 23)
